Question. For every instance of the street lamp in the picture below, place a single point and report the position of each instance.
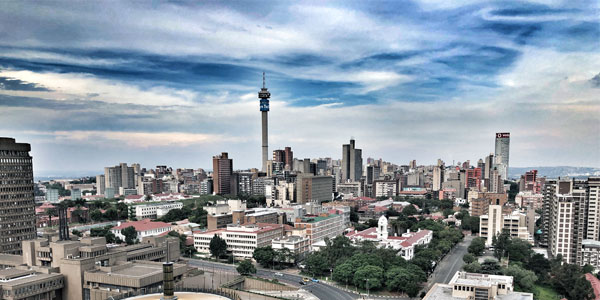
(367, 285)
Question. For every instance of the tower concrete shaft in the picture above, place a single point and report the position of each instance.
(265, 139)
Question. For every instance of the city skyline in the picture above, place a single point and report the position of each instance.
(409, 84)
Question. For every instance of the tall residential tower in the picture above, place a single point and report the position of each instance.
(17, 205)
(502, 149)
(351, 162)
(264, 96)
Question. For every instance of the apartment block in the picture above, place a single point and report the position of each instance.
(311, 188)
(155, 210)
(318, 227)
(517, 224)
(241, 240)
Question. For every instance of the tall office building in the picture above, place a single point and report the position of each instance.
(351, 162)
(289, 158)
(264, 96)
(488, 166)
(17, 203)
(502, 151)
(571, 220)
(310, 188)
(222, 172)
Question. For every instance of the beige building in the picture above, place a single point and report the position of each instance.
(28, 284)
(311, 188)
(519, 225)
(156, 210)
(476, 286)
(73, 260)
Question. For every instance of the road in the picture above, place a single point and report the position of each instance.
(320, 290)
(451, 263)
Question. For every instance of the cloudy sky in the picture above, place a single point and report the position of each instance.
(91, 84)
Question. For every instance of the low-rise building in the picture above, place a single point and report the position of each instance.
(241, 239)
(530, 199)
(405, 244)
(318, 227)
(476, 286)
(299, 246)
(28, 284)
(144, 228)
(156, 210)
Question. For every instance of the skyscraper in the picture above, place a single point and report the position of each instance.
(502, 151)
(351, 162)
(222, 172)
(17, 204)
(119, 176)
(264, 96)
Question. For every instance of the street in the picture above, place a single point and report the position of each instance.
(451, 263)
(320, 290)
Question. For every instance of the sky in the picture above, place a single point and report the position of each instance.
(93, 83)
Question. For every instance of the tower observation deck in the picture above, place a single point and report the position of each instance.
(264, 96)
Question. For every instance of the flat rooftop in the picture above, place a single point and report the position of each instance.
(444, 292)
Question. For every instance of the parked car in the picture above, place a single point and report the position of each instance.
(305, 279)
(314, 280)
(278, 274)
(302, 282)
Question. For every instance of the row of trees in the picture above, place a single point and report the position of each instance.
(368, 267)
(529, 268)
(197, 215)
(270, 258)
(129, 233)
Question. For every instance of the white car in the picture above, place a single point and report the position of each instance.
(278, 274)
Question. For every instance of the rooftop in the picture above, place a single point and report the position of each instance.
(142, 225)
(314, 219)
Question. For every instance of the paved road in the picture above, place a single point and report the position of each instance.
(320, 290)
(451, 263)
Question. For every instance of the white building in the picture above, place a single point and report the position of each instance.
(518, 224)
(405, 243)
(52, 195)
(240, 239)
(465, 285)
(318, 227)
(144, 228)
(298, 245)
(156, 210)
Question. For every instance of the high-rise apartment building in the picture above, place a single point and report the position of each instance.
(473, 179)
(17, 203)
(571, 218)
(120, 176)
(289, 158)
(351, 162)
(222, 172)
(100, 184)
(438, 177)
(502, 151)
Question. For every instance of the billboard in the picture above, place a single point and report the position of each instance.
(502, 135)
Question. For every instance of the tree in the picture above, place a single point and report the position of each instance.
(96, 215)
(344, 273)
(539, 265)
(218, 246)
(409, 210)
(353, 217)
(490, 266)
(368, 277)
(524, 279)
(569, 280)
(473, 267)
(405, 279)
(477, 246)
(518, 250)
(265, 256)
(76, 232)
(130, 235)
(245, 267)
(501, 244)
(316, 264)
(284, 255)
(111, 214)
(468, 258)
(106, 233)
(183, 247)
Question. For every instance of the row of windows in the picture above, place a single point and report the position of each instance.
(35, 287)
(15, 160)
(16, 189)
(14, 153)
(16, 168)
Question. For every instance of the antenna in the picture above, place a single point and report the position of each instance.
(263, 80)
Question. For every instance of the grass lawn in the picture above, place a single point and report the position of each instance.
(545, 293)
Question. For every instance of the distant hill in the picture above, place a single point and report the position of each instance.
(553, 172)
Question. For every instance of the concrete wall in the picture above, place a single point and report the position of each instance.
(260, 285)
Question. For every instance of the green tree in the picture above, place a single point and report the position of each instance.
(468, 258)
(539, 265)
(490, 266)
(473, 267)
(106, 233)
(477, 246)
(245, 267)
(96, 215)
(409, 210)
(284, 255)
(368, 277)
(130, 235)
(265, 256)
(218, 246)
(111, 214)
(316, 264)
(518, 250)
(344, 273)
(524, 279)
(569, 280)
(501, 244)
(405, 279)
